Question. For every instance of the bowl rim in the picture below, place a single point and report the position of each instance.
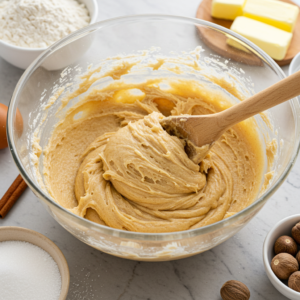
(275, 280)
(92, 21)
(66, 279)
(292, 67)
(169, 236)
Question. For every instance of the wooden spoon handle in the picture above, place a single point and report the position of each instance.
(279, 92)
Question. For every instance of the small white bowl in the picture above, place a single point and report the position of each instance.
(295, 64)
(284, 227)
(22, 57)
(11, 233)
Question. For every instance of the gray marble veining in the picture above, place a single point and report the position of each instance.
(96, 275)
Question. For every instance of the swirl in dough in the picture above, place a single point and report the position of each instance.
(116, 166)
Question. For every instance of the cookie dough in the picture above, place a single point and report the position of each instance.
(110, 161)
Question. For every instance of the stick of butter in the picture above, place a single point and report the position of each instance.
(272, 40)
(276, 13)
(227, 9)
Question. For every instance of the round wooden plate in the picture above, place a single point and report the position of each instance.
(217, 41)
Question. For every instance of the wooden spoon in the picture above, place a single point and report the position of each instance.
(202, 131)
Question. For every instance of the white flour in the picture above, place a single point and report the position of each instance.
(40, 23)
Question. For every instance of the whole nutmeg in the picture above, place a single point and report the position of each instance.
(298, 257)
(296, 233)
(294, 281)
(285, 244)
(283, 265)
(234, 290)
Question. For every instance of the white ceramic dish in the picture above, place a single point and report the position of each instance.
(22, 57)
(283, 227)
(295, 64)
(11, 233)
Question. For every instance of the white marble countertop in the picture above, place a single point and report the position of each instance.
(96, 275)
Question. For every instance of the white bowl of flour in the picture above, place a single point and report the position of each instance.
(28, 27)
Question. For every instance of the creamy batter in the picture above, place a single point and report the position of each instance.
(110, 161)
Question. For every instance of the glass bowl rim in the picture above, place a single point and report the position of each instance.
(169, 236)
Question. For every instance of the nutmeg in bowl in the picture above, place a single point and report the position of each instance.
(285, 244)
(282, 229)
(294, 281)
(296, 233)
(284, 265)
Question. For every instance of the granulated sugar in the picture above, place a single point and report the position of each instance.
(27, 272)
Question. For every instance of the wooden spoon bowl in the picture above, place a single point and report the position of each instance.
(201, 132)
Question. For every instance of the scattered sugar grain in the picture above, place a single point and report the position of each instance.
(27, 272)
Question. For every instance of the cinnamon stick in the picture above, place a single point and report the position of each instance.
(12, 195)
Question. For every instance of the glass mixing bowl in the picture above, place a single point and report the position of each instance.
(253, 70)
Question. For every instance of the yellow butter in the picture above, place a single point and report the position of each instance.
(276, 13)
(227, 9)
(272, 40)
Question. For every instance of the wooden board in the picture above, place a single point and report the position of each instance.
(217, 41)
